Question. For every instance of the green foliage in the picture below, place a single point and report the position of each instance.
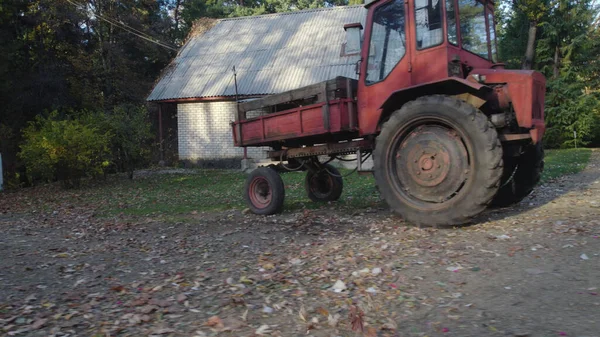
(568, 53)
(63, 149)
(512, 40)
(196, 9)
(130, 132)
(571, 108)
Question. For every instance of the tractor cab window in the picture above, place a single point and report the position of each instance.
(451, 22)
(428, 19)
(388, 41)
(472, 27)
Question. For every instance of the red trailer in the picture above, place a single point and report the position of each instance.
(451, 131)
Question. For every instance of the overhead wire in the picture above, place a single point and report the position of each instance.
(123, 26)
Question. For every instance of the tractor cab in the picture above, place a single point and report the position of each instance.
(435, 38)
(407, 44)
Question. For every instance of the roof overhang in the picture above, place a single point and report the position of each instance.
(206, 99)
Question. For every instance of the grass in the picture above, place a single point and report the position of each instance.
(214, 190)
(176, 196)
(562, 162)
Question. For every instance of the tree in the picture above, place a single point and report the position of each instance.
(534, 11)
(69, 55)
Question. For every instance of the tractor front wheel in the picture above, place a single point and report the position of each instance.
(264, 191)
(325, 184)
(438, 161)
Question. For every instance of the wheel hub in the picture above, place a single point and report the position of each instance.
(431, 163)
(260, 192)
(321, 183)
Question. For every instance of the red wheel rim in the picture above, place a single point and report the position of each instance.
(260, 192)
(430, 163)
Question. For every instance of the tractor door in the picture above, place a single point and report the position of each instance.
(385, 59)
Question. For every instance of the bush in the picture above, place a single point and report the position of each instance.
(64, 150)
(130, 133)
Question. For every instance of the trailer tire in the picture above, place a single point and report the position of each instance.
(324, 185)
(264, 191)
(524, 173)
(438, 161)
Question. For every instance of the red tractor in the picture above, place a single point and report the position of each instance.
(450, 130)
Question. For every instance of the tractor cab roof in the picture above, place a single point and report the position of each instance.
(371, 3)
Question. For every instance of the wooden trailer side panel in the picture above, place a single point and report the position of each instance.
(315, 119)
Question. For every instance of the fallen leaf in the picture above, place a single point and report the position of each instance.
(302, 313)
(334, 320)
(371, 332)
(181, 298)
(323, 311)
(262, 330)
(339, 286)
(147, 309)
(117, 288)
(38, 323)
(162, 331)
(356, 319)
(215, 322)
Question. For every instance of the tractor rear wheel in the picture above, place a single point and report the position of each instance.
(521, 175)
(324, 185)
(264, 191)
(438, 161)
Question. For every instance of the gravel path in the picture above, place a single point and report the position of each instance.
(528, 270)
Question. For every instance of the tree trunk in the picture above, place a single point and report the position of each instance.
(556, 67)
(176, 17)
(530, 51)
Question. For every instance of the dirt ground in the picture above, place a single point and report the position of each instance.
(528, 270)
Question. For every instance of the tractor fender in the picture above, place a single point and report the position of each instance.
(451, 86)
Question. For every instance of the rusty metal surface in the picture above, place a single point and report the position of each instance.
(526, 91)
(271, 53)
(507, 137)
(325, 149)
(431, 163)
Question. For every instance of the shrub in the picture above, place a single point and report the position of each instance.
(130, 133)
(65, 150)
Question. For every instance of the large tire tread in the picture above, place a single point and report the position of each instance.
(491, 158)
(337, 188)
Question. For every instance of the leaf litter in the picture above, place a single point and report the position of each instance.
(322, 272)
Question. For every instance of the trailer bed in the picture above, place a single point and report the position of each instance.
(316, 111)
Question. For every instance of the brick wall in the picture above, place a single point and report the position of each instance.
(205, 132)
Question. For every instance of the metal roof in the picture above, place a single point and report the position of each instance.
(271, 53)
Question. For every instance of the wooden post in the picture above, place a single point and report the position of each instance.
(325, 109)
(1, 173)
(160, 133)
(350, 95)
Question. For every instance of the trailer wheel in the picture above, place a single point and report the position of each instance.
(522, 174)
(264, 191)
(324, 185)
(438, 161)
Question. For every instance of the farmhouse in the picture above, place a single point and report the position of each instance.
(271, 54)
